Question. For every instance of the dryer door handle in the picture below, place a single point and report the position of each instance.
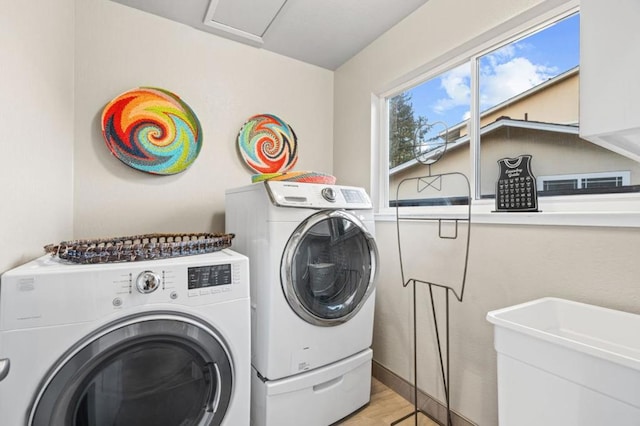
(4, 368)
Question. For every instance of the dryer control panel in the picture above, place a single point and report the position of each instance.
(167, 281)
(48, 292)
(317, 196)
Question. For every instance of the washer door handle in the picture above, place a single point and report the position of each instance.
(4, 368)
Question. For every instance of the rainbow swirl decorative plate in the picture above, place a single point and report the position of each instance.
(268, 144)
(152, 130)
(306, 177)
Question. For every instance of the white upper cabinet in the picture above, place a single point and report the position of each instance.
(610, 75)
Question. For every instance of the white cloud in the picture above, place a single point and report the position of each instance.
(502, 80)
(504, 73)
(503, 54)
(456, 85)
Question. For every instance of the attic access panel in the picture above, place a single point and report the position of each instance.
(248, 19)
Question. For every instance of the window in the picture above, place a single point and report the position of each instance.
(419, 131)
(595, 182)
(516, 97)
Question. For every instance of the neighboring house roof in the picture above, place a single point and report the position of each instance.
(505, 121)
(492, 127)
(532, 91)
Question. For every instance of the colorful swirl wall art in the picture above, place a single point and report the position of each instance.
(299, 176)
(268, 144)
(152, 130)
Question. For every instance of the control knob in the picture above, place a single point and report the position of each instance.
(148, 282)
(329, 194)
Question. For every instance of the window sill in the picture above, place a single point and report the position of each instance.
(611, 210)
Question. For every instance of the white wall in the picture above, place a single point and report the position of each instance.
(48, 159)
(119, 48)
(508, 264)
(36, 118)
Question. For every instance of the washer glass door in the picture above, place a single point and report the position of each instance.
(162, 371)
(328, 267)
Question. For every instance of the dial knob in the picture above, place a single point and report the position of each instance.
(329, 194)
(148, 282)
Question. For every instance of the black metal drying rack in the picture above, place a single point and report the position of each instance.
(435, 182)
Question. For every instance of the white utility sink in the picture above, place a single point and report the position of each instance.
(566, 363)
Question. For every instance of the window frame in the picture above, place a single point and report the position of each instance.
(614, 209)
(623, 175)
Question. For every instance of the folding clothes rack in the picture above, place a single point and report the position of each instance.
(430, 184)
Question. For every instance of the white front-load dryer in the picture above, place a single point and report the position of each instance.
(163, 342)
(313, 262)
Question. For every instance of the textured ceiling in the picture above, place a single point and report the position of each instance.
(326, 33)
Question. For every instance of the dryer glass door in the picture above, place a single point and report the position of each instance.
(328, 267)
(148, 372)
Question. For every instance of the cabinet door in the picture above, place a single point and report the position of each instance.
(609, 86)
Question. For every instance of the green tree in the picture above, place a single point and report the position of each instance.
(404, 127)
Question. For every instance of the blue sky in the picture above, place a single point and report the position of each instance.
(504, 73)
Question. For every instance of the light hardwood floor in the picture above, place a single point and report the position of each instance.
(385, 407)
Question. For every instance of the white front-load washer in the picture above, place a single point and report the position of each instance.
(313, 262)
(163, 342)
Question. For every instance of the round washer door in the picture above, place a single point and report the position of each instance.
(328, 267)
(151, 370)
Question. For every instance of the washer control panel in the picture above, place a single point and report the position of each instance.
(47, 292)
(317, 196)
(173, 282)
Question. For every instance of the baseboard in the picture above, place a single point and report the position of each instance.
(435, 409)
